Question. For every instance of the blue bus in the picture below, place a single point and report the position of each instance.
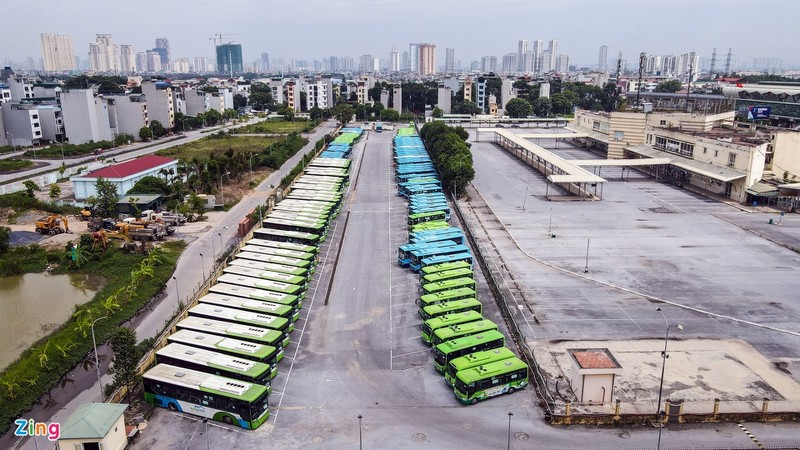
(417, 256)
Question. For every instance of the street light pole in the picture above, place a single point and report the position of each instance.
(203, 263)
(360, 442)
(509, 430)
(177, 292)
(13, 139)
(221, 190)
(664, 357)
(251, 166)
(586, 267)
(97, 360)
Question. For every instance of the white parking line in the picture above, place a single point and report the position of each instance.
(629, 317)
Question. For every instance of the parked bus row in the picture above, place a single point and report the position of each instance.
(221, 359)
(468, 349)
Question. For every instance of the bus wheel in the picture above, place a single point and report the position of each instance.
(511, 390)
(172, 407)
(474, 400)
(227, 419)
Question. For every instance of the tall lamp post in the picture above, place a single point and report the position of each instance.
(251, 166)
(221, 190)
(203, 263)
(177, 291)
(360, 442)
(509, 429)
(97, 360)
(13, 143)
(664, 357)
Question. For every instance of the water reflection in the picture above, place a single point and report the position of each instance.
(34, 304)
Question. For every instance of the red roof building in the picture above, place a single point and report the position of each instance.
(124, 175)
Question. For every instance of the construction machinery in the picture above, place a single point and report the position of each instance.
(52, 224)
(86, 213)
(169, 229)
(141, 232)
(97, 223)
(101, 237)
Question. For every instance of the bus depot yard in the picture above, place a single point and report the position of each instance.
(355, 365)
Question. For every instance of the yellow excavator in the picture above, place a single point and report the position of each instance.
(101, 237)
(53, 224)
(86, 213)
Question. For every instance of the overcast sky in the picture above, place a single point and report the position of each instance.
(315, 29)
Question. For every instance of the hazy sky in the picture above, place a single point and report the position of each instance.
(314, 29)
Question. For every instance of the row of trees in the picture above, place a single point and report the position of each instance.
(450, 154)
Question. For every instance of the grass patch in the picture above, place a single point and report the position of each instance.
(7, 149)
(69, 150)
(47, 363)
(21, 202)
(12, 165)
(26, 259)
(218, 144)
(271, 127)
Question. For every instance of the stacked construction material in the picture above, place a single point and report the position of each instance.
(468, 349)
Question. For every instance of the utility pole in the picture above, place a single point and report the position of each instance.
(642, 57)
(689, 83)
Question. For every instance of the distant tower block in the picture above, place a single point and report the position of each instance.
(728, 63)
(713, 63)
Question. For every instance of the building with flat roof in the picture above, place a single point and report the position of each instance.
(783, 99)
(85, 116)
(160, 104)
(123, 175)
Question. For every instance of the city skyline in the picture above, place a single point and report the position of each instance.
(705, 27)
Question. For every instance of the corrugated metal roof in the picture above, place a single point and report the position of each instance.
(128, 168)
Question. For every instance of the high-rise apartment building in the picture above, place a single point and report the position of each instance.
(141, 62)
(449, 60)
(265, 62)
(103, 54)
(537, 56)
(162, 48)
(365, 63)
(229, 59)
(522, 49)
(58, 52)
(509, 63)
(562, 64)
(153, 61)
(413, 54)
(427, 59)
(127, 58)
(602, 59)
(394, 60)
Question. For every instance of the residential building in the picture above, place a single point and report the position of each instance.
(444, 97)
(127, 114)
(397, 98)
(162, 48)
(509, 64)
(52, 123)
(58, 52)
(265, 62)
(127, 59)
(153, 61)
(480, 94)
(427, 59)
(160, 105)
(5, 93)
(21, 89)
(602, 59)
(468, 89)
(141, 62)
(195, 101)
(361, 92)
(537, 56)
(85, 116)
(21, 122)
(320, 93)
(293, 95)
(103, 54)
(544, 90)
(413, 55)
(276, 86)
(562, 64)
(123, 175)
(507, 92)
(449, 60)
(181, 65)
(394, 60)
(522, 48)
(229, 59)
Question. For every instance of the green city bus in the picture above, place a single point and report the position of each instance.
(281, 252)
(299, 237)
(280, 268)
(440, 309)
(257, 294)
(268, 285)
(446, 285)
(447, 351)
(266, 275)
(446, 296)
(432, 225)
(447, 275)
(243, 317)
(429, 326)
(283, 245)
(436, 268)
(474, 359)
(205, 395)
(489, 380)
(238, 348)
(465, 329)
(277, 259)
(423, 217)
(259, 306)
(265, 336)
(216, 363)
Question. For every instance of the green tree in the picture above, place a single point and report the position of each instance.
(239, 101)
(390, 115)
(560, 103)
(145, 133)
(158, 129)
(213, 117)
(542, 107)
(343, 112)
(518, 107)
(126, 357)
(55, 192)
(466, 107)
(197, 206)
(107, 197)
(437, 112)
(30, 187)
(260, 100)
(150, 185)
(123, 138)
(669, 86)
(5, 239)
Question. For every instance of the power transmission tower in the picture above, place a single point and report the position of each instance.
(728, 63)
(642, 58)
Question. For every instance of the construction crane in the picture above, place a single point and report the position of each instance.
(221, 38)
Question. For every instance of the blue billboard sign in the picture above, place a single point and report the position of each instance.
(758, 112)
